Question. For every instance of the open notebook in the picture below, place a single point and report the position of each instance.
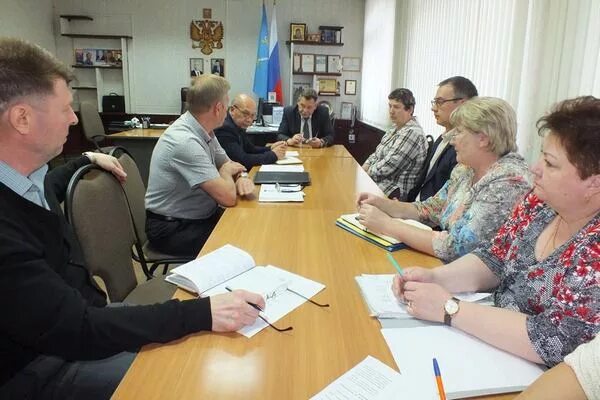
(232, 268)
(349, 223)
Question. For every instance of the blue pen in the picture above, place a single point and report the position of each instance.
(395, 264)
(438, 380)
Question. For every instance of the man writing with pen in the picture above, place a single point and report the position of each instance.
(306, 123)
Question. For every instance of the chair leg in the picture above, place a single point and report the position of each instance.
(153, 268)
(165, 269)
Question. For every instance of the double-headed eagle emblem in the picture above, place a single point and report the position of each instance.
(206, 35)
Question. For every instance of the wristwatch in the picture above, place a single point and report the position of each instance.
(451, 308)
(243, 175)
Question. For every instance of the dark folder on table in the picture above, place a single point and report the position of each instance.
(301, 178)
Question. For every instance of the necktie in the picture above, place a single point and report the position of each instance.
(305, 131)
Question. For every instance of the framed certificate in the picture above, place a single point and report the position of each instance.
(297, 66)
(350, 87)
(351, 63)
(346, 111)
(308, 63)
(333, 64)
(327, 86)
(320, 63)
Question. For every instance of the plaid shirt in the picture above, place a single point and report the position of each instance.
(398, 159)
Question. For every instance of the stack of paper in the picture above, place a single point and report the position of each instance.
(270, 193)
(288, 160)
(469, 366)
(373, 380)
(349, 223)
(379, 297)
(281, 168)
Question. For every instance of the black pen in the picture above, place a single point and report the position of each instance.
(255, 306)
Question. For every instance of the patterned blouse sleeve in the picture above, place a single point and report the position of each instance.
(481, 220)
(573, 317)
(494, 253)
(430, 210)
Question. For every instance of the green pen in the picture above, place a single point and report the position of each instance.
(394, 263)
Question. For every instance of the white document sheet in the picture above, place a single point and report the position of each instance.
(288, 160)
(373, 380)
(469, 367)
(292, 153)
(281, 168)
(283, 302)
(269, 194)
(377, 292)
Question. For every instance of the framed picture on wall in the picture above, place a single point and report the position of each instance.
(196, 66)
(297, 65)
(217, 66)
(297, 32)
(308, 63)
(350, 87)
(299, 88)
(346, 112)
(351, 64)
(333, 64)
(320, 63)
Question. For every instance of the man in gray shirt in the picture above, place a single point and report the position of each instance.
(191, 177)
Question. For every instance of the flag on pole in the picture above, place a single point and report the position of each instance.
(262, 58)
(274, 75)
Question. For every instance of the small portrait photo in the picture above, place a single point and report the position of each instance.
(78, 56)
(217, 66)
(196, 67)
(101, 57)
(89, 56)
(297, 32)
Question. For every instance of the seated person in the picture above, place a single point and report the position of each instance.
(59, 340)
(233, 139)
(398, 159)
(481, 191)
(451, 93)
(191, 177)
(306, 122)
(574, 379)
(543, 263)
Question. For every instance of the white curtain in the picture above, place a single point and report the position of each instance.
(531, 53)
(377, 61)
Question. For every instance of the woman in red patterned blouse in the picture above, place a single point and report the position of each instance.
(544, 263)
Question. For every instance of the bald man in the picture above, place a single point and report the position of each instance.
(232, 136)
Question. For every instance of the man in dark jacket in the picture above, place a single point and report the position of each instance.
(233, 139)
(306, 122)
(451, 93)
(57, 337)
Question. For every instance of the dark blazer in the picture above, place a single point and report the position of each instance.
(48, 302)
(238, 147)
(439, 174)
(320, 123)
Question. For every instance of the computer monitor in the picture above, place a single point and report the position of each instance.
(259, 112)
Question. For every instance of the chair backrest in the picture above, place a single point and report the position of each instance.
(135, 190)
(93, 129)
(184, 105)
(97, 210)
(430, 143)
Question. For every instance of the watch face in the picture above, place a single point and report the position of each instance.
(451, 307)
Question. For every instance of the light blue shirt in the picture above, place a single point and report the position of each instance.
(29, 187)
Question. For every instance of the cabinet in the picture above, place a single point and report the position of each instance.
(100, 61)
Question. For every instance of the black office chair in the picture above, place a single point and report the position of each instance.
(184, 104)
(330, 111)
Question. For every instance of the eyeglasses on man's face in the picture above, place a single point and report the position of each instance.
(439, 101)
(245, 113)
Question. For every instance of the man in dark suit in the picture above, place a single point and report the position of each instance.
(306, 122)
(440, 162)
(233, 139)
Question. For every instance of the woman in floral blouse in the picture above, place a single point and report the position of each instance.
(489, 179)
(544, 262)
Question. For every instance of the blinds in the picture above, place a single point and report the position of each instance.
(530, 53)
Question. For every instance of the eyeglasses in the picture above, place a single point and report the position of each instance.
(245, 113)
(438, 102)
(289, 328)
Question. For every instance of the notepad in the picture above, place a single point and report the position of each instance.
(349, 223)
(377, 293)
(470, 367)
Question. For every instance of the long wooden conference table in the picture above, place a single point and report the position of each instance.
(325, 342)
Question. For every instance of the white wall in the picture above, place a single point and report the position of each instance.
(28, 19)
(161, 47)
